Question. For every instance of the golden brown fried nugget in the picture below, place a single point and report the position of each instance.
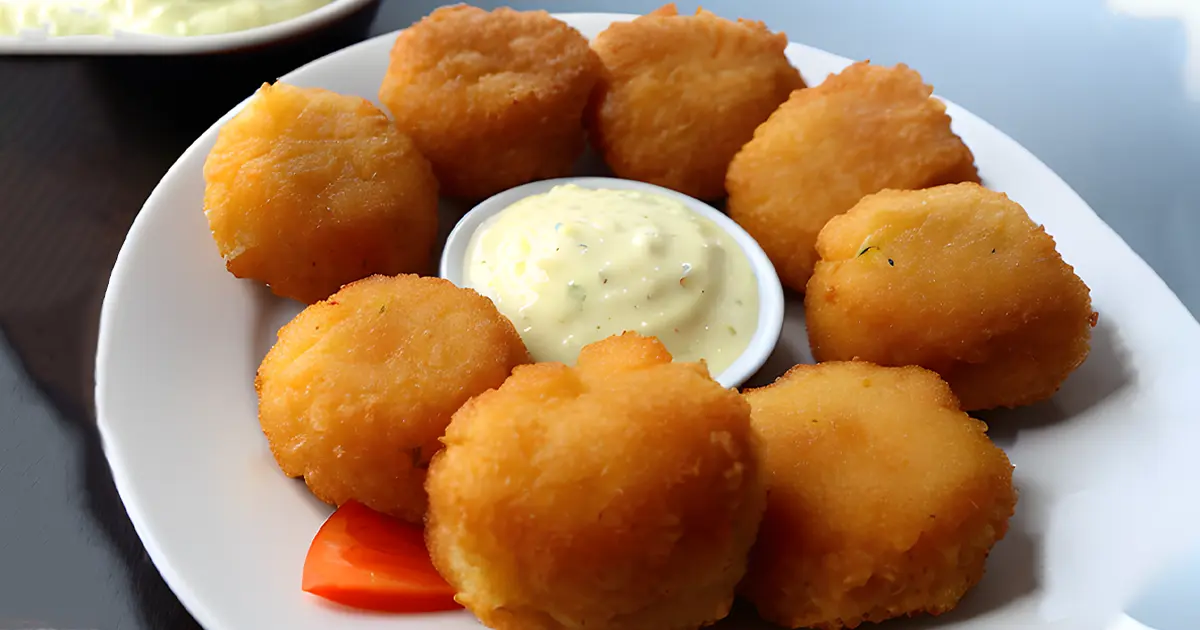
(957, 279)
(619, 494)
(493, 99)
(863, 130)
(680, 95)
(883, 498)
(307, 190)
(359, 388)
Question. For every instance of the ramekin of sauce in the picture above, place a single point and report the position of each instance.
(571, 261)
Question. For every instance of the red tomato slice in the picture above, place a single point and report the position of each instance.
(365, 559)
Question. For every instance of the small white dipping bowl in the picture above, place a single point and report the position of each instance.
(770, 291)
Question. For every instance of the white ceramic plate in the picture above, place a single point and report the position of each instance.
(123, 43)
(1100, 467)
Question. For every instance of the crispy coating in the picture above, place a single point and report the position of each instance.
(359, 388)
(957, 279)
(493, 99)
(569, 498)
(883, 498)
(858, 132)
(680, 95)
(307, 190)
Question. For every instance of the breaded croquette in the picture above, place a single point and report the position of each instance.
(493, 99)
(570, 498)
(957, 279)
(307, 190)
(359, 388)
(680, 95)
(883, 498)
(858, 132)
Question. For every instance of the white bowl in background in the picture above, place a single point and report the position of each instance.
(130, 43)
(770, 291)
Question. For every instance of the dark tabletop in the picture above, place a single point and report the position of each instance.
(1099, 95)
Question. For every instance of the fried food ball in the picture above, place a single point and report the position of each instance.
(883, 498)
(680, 95)
(307, 190)
(957, 279)
(619, 494)
(359, 388)
(858, 132)
(493, 99)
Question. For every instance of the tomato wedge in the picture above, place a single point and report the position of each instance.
(365, 559)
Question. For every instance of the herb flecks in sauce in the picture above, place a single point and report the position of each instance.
(575, 265)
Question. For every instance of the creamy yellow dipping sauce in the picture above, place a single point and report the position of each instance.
(157, 17)
(576, 265)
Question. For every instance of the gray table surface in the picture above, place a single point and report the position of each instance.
(1099, 95)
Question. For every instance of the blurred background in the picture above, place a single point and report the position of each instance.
(1106, 93)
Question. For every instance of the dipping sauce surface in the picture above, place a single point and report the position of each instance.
(157, 17)
(575, 265)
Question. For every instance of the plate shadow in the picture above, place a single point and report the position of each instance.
(1105, 373)
(792, 348)
(1012, 572)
